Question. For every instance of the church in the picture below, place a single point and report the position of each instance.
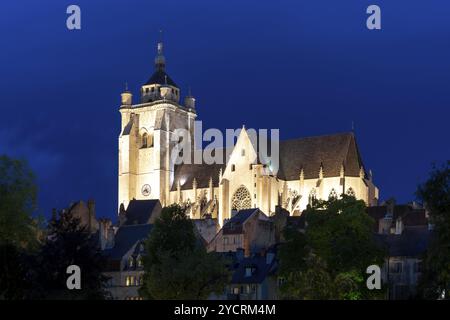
(318, 167)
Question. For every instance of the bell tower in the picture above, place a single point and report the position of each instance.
(147, 138)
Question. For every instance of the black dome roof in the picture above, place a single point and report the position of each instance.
(161, 77)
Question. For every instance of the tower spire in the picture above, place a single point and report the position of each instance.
(160, 61)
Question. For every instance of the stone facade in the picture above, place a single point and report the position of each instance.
(318, 167)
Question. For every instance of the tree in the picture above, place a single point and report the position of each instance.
(18, 192)
(68, 243)
(18, 229)
(177, 265)
(435, 194)
(329, 261)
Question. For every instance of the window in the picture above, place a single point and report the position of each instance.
(144, 140)
(140, 262)
(225, 240)
(350, 192)
(418, 267)
(233, 167)
(249, 271)
(250, 167)
(146, 90)
(130, 262)
(333, 194)
(241, 199)
(236, 290)
(397, 267)
(242, 152)
(312, 196)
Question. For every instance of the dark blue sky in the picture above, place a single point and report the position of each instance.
(306, 67)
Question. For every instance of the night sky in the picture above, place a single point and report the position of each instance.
(306, 67)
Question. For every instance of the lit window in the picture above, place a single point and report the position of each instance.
(127, 281)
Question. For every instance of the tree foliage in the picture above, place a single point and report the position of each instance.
(68, 243)
(435, 194)
(330, 259)
(18, 192)
(18, 229)
(177, 265)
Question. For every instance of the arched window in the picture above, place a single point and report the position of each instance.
(350, 192)
(241, 199)
(333, 194)
(145, 140)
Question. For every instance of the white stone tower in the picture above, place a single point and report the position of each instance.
(145, 144)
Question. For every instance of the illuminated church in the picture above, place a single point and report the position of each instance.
(313, 167)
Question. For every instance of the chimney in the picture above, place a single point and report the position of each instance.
(91, 210)
(246, 247)
(398, 226)
(106, 234)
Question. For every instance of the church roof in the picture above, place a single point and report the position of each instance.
(159, 77)
(330, 151)
(140, 211)
(185, 173)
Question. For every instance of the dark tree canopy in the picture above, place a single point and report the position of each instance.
(177, 265)
(330, 259)
(435, 194)
(18, 192)
(68, 243)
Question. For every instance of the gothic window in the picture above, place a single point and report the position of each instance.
(130, 262)
(350, 192)
(241, 199)
(145, 140)
(312, 196)
(333, 194)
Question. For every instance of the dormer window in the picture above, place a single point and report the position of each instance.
(130, 262)
(249, 271)
(140, 262)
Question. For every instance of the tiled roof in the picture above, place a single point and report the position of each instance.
(235, 223)
(125, 238)
(410, 216)
(159, 77)
(411, 243)
(202, 173)
(310, 153)
(330, 151)
(140, 211)
(261, 268)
